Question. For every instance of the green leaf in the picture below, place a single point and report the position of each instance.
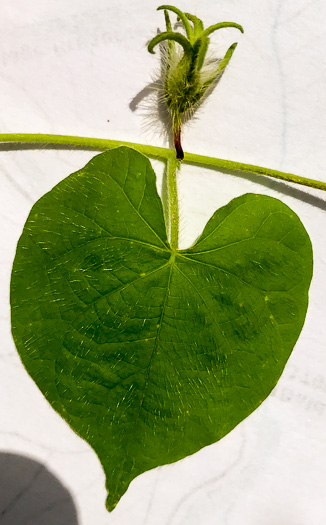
(147, 353)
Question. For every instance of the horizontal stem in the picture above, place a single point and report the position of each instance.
(190, 158)
(159, 153)
(84, 142)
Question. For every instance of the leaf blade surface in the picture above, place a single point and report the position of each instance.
(151, 354)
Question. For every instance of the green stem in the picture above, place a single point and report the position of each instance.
(173, 165)
(191, 158)
(84, 142)
(159, 153)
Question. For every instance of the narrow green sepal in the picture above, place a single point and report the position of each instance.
(167, 35)
(171, 43)
(221, 25)
(221, 67)
(198, 24)
(182, 17)
(227, 57)
(202, 52)
(167, 21)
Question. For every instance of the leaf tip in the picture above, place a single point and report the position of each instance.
(115, 494)
(111, 502)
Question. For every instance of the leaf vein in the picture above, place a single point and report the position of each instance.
(140, 216)
(208, 309)
(220, 224)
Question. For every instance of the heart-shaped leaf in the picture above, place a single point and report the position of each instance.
(151, 354)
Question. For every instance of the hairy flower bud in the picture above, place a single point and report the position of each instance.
(187, 74)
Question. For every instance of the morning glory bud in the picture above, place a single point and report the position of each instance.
(187, 74)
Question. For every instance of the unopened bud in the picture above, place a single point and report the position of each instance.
(187, 75)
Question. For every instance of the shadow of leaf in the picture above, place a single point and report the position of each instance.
(31, 495)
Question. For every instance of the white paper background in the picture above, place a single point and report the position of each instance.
(69, 68)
